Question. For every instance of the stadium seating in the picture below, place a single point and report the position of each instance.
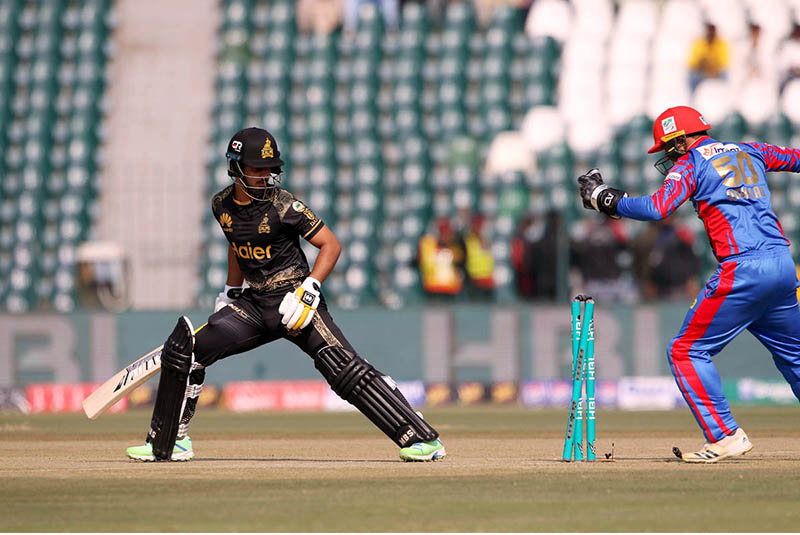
(382, 130)
(52, 81)
(385, 131)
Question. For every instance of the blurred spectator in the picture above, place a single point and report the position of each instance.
(319, 16)
(534, 250)
(664, 261)
(709, 57)
(753, 59)
(390, 9)
(789, 57)
(440, 258)
(485, 8)
(599, 252)
(479, 262)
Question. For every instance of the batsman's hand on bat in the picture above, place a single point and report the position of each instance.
(599, 196)
(227, 296)
(298, 307)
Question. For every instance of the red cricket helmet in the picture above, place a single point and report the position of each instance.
(674, 122)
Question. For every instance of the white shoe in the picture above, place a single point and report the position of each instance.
(730, 446)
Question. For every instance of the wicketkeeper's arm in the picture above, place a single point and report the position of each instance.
(597, 195)
(778, 158)
(679, 185)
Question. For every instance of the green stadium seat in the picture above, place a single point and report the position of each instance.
(453, 121)
(408, 121)
(370, 26)
(415, 18)
(498, 118)
(459, 15)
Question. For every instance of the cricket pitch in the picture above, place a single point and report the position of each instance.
(335, 472)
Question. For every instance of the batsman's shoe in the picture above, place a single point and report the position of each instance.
(424, 451)
(181, 452)
(730, 446)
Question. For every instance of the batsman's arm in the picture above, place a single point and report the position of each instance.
(329, 249)
(234, 283)
(235, 275)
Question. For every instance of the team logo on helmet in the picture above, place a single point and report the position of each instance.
(668, 125)
(236, 145)
(266, 150)
(226, 222)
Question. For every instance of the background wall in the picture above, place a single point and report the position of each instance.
(472, 343)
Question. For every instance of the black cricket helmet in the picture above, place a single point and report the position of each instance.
(254, 147)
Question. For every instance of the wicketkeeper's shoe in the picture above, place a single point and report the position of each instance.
(424, 451)
(730, 446)
(181, 452)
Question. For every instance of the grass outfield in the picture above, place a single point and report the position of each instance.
(334, 472)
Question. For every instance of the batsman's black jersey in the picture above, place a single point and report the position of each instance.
(265, 236)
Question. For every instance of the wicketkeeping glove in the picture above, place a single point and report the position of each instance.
(298, 307)
(227, 296)
(599, 196)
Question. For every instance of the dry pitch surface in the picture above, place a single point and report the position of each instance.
(334, 472)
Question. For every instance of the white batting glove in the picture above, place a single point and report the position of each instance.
(227, 296)
(298, 307)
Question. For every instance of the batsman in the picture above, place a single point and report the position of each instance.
(754, 287)
(272, 293)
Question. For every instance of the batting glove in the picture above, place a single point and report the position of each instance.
(599, 196)
(227, 296)
(298, 307)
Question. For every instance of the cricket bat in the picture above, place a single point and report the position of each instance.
(123, 383)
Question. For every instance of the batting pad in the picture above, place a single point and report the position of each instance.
(360, 384)
(177, 358)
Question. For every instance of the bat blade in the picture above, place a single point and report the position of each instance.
(122, 383)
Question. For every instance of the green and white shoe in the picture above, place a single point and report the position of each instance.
(181, 452)
(424, 451)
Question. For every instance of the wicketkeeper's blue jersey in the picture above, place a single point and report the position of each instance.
(754, 286)
(728, 188)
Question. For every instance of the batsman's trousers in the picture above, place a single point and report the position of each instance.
(253, 320)
(756, 291)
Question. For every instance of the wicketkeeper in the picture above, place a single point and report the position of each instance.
(271, 293)
(754, 286)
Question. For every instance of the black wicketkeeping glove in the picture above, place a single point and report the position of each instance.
(598, 196)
